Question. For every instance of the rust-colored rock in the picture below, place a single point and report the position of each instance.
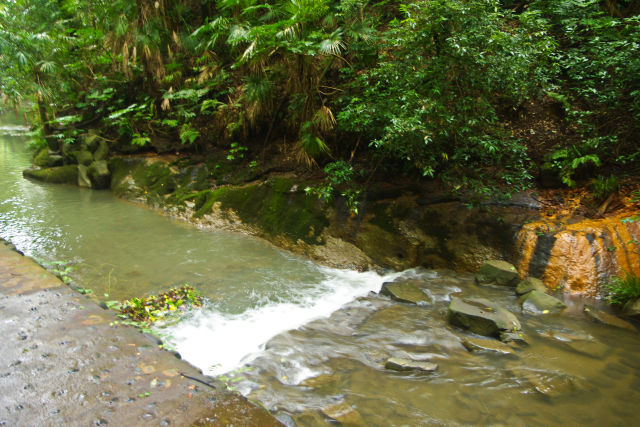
(580, 257)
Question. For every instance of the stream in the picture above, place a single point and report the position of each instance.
(309, 342)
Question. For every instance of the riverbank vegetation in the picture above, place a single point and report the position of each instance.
(487, 97)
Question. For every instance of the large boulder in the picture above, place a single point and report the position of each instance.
(56, 175)
(538, 302)
(405, 291)
(608, 319)
(481, 316)
(530, 284)
(497, 272)
(399, 364)
(99, 174)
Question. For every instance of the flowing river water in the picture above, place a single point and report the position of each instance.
(309, 342)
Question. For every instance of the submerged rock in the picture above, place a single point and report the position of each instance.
(530, 284)
(345, 414)
(481, 316)
(56, 175)
(608, 319)
(551, 384)
(497, 272)
(538, 302)
(583, 344)
(486, 345)
(399, 364)
(405, 291)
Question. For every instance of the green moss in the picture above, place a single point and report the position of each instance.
(57, 175)
(272, 208)
(205, 199)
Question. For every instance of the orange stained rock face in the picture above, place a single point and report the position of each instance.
(580, 257)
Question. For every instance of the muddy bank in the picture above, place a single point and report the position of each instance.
(68, 362)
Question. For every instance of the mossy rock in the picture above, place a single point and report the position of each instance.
(272, 207)
(497, 272)
(46, 158)
(123, 183)
(538, 302)
(57, 175)
(102, 151)
(42, 158)
(83, 177)
(83, 157)
(530, 284)
(99, 174)
(481, 316)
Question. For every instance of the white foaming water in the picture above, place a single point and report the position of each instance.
(218, 342)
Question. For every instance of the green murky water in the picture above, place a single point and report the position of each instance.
(310, 342)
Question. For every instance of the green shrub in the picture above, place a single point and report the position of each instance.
(623, 290)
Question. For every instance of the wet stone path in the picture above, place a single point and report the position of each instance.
(64, 362)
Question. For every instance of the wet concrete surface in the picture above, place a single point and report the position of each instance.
(63, 361)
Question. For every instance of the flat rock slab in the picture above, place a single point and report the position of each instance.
(496, 272)
(481, 316)
(402, 365)
(537, 302)
(405, 291)
(608, 319)
(63, 363)
(487, 345)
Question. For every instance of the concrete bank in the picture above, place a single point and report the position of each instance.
(62, 362)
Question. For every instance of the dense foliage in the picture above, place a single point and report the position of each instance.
(425, 87)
